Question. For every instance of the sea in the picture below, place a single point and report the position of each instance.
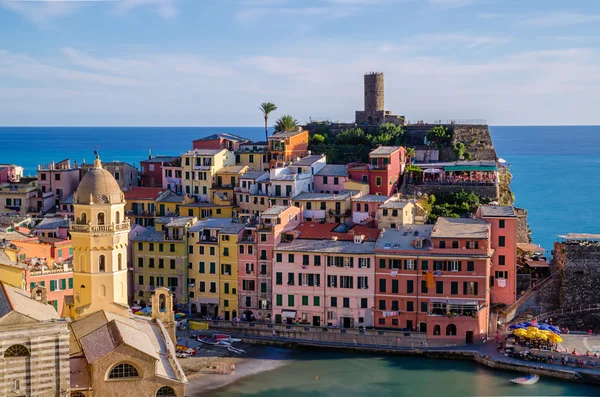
(556, 175)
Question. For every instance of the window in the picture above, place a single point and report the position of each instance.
(455, 244)
(316, 301)
(378, 181)
(213, 268)
(501, 275)
(290, 300)
(151, 262)
(279, 300)
(409, 264)
(336, 180)
(333, 301)
(225, 251)
(52, 285)
(213, 288)
(190, 249)
(263, 237)
(317, 260)
(202, 286)
(290, 279)
(424, 265)
(424, 289)
(172, 247)
(102, 263)
(385, 212)
(395, 287)
(454, 266)
(501, 241)
(410, 286)
(501, 260)
(57, 177)
(454, 288)
(263, 287)
(395, 305)
(364, 263)
(382, 285)
(278, 278)
(346, 302)
(278, 257)
(263, 255)
(291, 258)
(439, 287)
(410, 306)
(470, 288)
(332, 281)
(442, 244)
(364, 303)
(151, 247)
(71, 283)
(166, 391)
(161, 263)
(381, 304)
(121, 371)
(382, 321)
(140, 262)
(305, 260)
(501, 224)
(17, 351)
(363, 282)
(241, 249)
(212, 251)
(470, 266)
(382, 263)
(172, 263)
(424, 307)
(304, 300)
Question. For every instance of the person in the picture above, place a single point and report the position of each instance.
(587, 353)
(574, 351)
(232, 367)
(273, 333)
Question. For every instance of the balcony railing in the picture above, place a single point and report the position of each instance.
(100, 228)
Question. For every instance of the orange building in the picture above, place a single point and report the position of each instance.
(287, 146)
(53, 250)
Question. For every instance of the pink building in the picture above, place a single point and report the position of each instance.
(255, 260)
(152, 170)
(60, 179)
(434, 278)
(503, 277)
(53, 227)
(323, 276)
(386, 163)
(331, 178)
(10, 173)
(221, 140)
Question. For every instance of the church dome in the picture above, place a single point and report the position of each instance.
(98, 186)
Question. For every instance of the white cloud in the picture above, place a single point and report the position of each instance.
(558, 19)
(42, 13)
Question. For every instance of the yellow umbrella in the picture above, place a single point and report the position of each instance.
(520, 332)
(554, 338)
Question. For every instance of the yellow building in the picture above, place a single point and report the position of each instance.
(160, 259)
(10, 272)
(18, 197)
(228, 253)
(213, 267)
(251, 194)
(207, 210)
(169, 203)
(199, 170)
(253, 154)
(329, 207)
(395, 213)
(363, 187)
(141, 205)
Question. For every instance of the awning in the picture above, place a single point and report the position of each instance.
(528, 247)
(537, 264)
(432, 171)
(288, 314)
(461, 302)
(470, 168)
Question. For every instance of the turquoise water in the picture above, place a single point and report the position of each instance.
(556, 169)
(351, 375)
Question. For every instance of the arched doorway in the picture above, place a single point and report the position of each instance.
(100, 218)
(233, 314)
(101, 263)
(248, 315)
(437, 330)
(450, 330)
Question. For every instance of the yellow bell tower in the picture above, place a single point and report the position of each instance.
(100, 237)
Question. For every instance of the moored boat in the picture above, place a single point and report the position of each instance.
(526, 380)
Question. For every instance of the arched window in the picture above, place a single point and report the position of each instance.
(161, 303)
(451, 329)
(121, 371)
(117, 218)
(83, 218)
(17, 351)
(101, 263)
(17, 385)
(437, 330)
(100, 218)
(166, 391)
(77, 394)
(120, 261)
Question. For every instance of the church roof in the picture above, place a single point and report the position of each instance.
(98, 186)
(14, 299)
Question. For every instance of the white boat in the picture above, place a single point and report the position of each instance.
(223, 343)
(236, 350)
(526, 380)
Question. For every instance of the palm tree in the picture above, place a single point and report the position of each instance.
(266, 108)
(286, 123)
(410, 153)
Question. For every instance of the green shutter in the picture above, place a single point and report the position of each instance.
(52, 285)
(202, 268)
(71, 283)
(31, 285)
(63, 284)
(60, 253)
(424, 265)
(394, 286)
(304, 300)
(317, 301)
(70, 251)
(382, 263)
(290, 300)
(279, 300)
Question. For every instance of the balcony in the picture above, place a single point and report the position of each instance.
(125, 226)
(202, 167)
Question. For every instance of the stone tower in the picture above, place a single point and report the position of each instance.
(162, 309)
(374, 93)
(100, 237)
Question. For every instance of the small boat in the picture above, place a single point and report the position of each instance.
(526, 380)
(223, 343)
(236, 350)
(207, 341)
(226, 338)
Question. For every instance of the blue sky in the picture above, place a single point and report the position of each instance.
(212, 62)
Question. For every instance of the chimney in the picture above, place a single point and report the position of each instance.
(38, 293)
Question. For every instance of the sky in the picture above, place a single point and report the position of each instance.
(212, 62)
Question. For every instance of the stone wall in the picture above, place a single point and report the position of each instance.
(489, 192)
(523, 232)
(477, 140)
(580, 281)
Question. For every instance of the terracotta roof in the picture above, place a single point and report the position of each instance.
(528, 247)
(143, 193)
(320, 231)
(460, 228)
